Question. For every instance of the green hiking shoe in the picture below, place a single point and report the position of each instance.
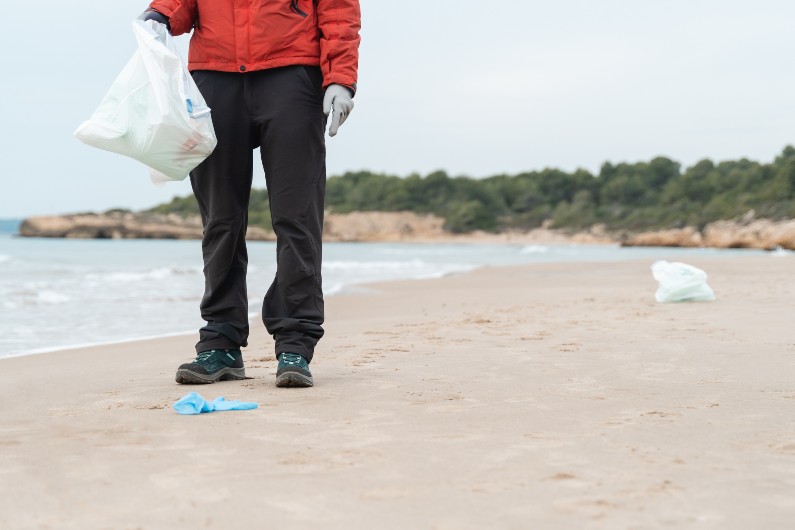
(293, 370)
(211, 366)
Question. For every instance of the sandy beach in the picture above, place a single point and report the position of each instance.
(546, 396)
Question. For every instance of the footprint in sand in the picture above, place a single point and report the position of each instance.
(562, 476)
(660, 414)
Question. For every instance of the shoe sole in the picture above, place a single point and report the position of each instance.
(293, 379)
(186, 377)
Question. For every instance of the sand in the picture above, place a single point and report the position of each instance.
(550, 396)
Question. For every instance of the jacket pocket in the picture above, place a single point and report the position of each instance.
(295, 9)
(313, 75)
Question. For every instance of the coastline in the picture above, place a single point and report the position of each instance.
(746, 231)
(56, 349)
(545, 395)
(537, 253)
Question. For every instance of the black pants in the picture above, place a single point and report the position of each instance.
(280, 111)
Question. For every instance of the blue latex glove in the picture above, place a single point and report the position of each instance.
(193, 403)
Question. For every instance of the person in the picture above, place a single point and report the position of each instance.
(271, 71)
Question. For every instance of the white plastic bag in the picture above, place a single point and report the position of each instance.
(680, 282)
(154, 111)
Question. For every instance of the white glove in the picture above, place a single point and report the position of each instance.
(338, 97)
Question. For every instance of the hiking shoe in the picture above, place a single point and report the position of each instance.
(211, 366)
(293, 370)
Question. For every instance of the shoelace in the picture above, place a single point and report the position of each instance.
(203, 356)
(291, 358)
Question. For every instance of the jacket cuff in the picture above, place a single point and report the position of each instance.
(178, 23)
(154, 14)
(351, 86)
(351, 89)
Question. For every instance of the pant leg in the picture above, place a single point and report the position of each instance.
(293, 153)
(222, 186)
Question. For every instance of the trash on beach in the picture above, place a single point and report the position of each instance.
(680, 282)
(193, 403)
(153, 111)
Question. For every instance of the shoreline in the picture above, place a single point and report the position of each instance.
(346, 290)
(56, 349)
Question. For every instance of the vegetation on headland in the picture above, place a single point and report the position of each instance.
(639, 196)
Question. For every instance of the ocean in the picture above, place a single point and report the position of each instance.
(59, 293)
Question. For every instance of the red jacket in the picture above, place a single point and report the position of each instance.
(249, 35)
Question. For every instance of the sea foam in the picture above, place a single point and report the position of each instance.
(534, 249)
(51, 297)
(151, 274)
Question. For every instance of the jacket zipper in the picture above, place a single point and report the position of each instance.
(294, 7)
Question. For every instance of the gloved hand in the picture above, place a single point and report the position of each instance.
(340, 98)
(151, 14)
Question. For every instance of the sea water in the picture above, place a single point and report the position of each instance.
(61, 293)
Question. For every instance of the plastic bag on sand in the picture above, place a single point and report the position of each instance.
(680, 282)
(154, 111)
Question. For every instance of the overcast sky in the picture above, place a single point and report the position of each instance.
(472, 87)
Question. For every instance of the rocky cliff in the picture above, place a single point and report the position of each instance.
(744, 232)
(357, 226)
(113, 225)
